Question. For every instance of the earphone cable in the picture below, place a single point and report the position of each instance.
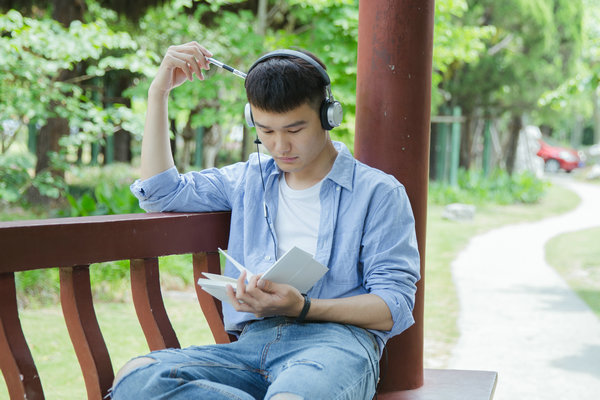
(262, 179)
(266, 209)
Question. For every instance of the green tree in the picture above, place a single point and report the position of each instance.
(35, 55)
(533, 49)
(578, 98)
(456, 44)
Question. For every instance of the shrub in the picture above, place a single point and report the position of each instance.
(101, 191)
(497, 188)
(16, 179)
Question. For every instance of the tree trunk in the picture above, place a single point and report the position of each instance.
(213, 138)
(188, 134)
(577, 133)
(466, 141)
(261, 17)
(122, 143)
(511, 151)
(67, 11)
(115, 83)
(48, 142)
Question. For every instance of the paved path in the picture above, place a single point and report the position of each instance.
(519, 317)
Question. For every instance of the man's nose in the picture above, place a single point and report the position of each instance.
(281, 142)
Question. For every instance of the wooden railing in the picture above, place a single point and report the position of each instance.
(72, 244)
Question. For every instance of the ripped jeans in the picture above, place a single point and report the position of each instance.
(272, 356)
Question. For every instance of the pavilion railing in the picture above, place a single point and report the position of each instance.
(72, 244)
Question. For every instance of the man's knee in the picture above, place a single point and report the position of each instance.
(287, 396)
(131, 366)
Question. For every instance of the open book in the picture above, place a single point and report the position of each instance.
(296, 268)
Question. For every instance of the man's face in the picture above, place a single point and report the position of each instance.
(295, 139)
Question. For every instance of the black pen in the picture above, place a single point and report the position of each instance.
(226, 67)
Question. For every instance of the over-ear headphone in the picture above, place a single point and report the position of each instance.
(330, 112)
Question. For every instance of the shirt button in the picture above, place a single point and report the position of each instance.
(337, 188)
(268, 258)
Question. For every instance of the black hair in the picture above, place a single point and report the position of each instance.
(280, 84)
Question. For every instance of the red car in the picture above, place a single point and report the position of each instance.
(557, 157)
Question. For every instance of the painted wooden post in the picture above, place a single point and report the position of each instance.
(393, 100)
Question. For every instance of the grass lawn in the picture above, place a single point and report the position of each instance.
(576, 257)
(61, 378)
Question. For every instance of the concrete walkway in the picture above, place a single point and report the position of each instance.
(518, 316)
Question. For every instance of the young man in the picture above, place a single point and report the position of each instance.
(356, 220)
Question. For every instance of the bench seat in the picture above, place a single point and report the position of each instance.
(450, 384)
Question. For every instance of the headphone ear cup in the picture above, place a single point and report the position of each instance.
(248, 116)
(331, 114)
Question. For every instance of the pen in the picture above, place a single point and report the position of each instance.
(226, 67)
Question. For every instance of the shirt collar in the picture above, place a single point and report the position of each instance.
(342, 171)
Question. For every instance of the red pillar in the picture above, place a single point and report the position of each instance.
(393, 100)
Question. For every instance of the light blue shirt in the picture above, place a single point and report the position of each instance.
(366, 231)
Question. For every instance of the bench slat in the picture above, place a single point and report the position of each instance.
(16, 362)
(84, 330)
(149, 306)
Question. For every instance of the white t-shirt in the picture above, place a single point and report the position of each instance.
(298, 216)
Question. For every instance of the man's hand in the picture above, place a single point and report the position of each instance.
(180, 63)
(265, 298)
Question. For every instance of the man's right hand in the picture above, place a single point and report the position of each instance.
(181, 62)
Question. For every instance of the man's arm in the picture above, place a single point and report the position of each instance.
(367, 311)
(178, 65)
(266, 298)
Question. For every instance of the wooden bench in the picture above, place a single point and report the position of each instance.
(72, 244)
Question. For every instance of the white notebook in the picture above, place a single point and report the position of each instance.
(296, 267)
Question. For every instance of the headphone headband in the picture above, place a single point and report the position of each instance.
(330, 112)
(294, 53)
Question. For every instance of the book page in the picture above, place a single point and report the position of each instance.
(297, 268)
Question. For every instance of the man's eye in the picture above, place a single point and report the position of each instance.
(266, 131)
(296, 131)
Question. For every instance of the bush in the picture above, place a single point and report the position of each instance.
(497, 188)
(101, 191)
(104, 199)
(37, 287)
(16, 179)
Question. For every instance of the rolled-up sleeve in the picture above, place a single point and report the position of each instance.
(208, 190)
(390, 256)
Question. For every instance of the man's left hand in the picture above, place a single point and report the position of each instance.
(264, 298)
